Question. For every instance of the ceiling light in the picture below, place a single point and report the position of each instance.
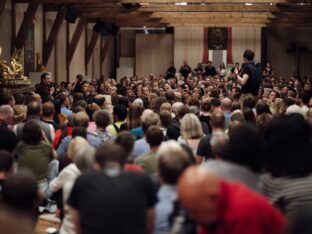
(248, 4)
(181, 4)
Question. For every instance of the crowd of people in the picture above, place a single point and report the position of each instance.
(191, 152)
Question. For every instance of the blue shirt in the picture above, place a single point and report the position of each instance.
(92, 139)
(166, 196)
(66, 111)
(140, 147)
(137, 132)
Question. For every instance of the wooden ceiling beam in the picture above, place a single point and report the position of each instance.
(167, 1)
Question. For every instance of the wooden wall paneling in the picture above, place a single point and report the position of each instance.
(153, 53)
(188, 45)
(90, 47)
(74, 41)
(127, 43)
(13, 18)
(50, 42)
(105, 47)
(26, 24)
(2, 4)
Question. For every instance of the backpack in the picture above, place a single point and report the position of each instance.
(123, 127)
(256, 70)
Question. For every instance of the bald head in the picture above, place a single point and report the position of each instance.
(198, 190)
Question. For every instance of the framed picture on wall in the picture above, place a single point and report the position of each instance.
(217, 38)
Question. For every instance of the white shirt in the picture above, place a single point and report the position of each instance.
(65, 181)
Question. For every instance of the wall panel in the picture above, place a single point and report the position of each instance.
(153, 53)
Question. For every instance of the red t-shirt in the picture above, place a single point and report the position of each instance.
(133, 167)
(243, 211)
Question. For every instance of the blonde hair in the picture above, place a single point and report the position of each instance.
(191, 127)
(76, 145)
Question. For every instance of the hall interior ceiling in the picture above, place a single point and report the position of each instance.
(172, 13)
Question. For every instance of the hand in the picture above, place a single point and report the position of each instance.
(236, 71)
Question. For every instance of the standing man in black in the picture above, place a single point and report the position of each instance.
(171, 71)
(185, 69)
(251, 74)
(210, 70)
(43, 88)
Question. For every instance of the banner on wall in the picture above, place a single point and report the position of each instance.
(29, 51)
(217, 45)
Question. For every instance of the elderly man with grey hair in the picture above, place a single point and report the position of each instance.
(8, 139)
(172, 161)
(82, 157)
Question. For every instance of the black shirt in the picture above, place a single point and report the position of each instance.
(252, 85)
(210, 71)
(204, 148)
(113, 205)
(170, 72)
(185, 70)
(8, 139)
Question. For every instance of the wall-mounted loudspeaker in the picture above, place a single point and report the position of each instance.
(72, 14)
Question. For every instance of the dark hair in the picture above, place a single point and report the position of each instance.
(121, 112)
(245, 147)
(165, 118)
(19, 99)
(154, 136)
(31, 133)
(262, 107)
(304, 97)
(126, 140)
(33, 109)
(5, 99)
(44, 75)
(101, 118)
(288, 146)
(249, 115)
(19, 191)
(6, 161)
(79, 131)
(99, 100)
(78, 96)
(249, 55)
(124, 101)
(110, 152)
(215, 102)
(249, 101)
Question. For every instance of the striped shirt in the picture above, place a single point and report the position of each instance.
(289, 194)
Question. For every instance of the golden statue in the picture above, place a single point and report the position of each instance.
(5, 70)
(11, 73)
(40, 67)
(17, 67)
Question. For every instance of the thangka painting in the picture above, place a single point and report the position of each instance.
(217, 38)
